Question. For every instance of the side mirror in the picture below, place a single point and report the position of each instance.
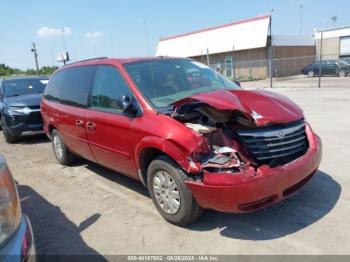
(127, 104)
(237, 83)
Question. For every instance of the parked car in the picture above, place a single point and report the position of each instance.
(328, 67)
(195, 144)
(20, 107)
(346, 59)
(16, 235)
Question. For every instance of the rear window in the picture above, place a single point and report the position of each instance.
(20, 87)
(71, 86)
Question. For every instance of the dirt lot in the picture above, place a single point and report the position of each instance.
(86, 209)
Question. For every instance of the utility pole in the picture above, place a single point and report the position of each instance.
(35, 57)
(301, 19)
(234, 63)
(334, 19)
(208, 58)
(270, 52)
(320, 62)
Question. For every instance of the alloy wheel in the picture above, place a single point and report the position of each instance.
(166, 192)
(57, 146)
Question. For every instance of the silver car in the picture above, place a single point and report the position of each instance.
(16, 234)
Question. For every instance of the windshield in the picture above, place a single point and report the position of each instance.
(342, 62)
(165, 81)
(20, 87)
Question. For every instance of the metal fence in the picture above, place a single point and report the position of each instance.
(253, 70)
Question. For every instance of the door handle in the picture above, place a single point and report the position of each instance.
(91, 126)
(79, 123)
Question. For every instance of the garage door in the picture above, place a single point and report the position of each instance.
(345, 45)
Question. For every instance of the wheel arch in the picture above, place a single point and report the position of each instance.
(152, 147)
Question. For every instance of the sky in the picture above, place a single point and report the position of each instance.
(127, 28)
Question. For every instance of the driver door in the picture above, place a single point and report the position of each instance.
(109, 130)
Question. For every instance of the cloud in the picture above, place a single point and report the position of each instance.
(93, 36)
(53, 32)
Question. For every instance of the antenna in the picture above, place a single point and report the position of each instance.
(146, 36)
(63, 40)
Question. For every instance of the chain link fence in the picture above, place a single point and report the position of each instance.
(285, 68)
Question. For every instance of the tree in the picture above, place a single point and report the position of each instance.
(8, 71)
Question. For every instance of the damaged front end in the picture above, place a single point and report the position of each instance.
(242, 166)
(234, 143)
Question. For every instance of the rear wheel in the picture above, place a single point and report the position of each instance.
(311, 74)
(61, 151)
(170, 195)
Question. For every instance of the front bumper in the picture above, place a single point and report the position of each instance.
(21, 246)
(22, 125)
(255, 189)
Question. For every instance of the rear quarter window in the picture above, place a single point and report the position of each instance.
(71, 86)
(52, 90)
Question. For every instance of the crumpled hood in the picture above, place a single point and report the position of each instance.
(24, 100)
(262, 107)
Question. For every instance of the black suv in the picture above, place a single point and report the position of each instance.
(20, 113)
(328, 67)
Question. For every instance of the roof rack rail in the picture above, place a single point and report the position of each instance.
(91, 59)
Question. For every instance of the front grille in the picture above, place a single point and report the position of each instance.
(34, 107)
(275, 145)
(34, 118)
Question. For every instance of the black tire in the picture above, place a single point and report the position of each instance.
(10, 139)
(189, 210)
(311, 74)
(67, 157)
(342, 73)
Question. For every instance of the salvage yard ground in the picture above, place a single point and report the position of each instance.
(87, 209)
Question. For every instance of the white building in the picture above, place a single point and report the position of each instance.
(335, 43)
(240, 48)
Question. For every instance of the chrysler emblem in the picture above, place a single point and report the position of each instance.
(281, 134)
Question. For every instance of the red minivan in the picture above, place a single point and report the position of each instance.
(195, 139)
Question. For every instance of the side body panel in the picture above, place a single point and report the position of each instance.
(111, 140)
(70, 122)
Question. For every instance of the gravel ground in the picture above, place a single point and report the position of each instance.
(87, 209)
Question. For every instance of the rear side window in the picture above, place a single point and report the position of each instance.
(71, 86)
(52, 90)
(77, 84)
(108, 87)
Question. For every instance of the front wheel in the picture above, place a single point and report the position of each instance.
(311, 74)
(342, 73)
(170, 194)
(62, 153)
(10, 139)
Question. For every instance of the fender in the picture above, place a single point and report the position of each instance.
(165, 145)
